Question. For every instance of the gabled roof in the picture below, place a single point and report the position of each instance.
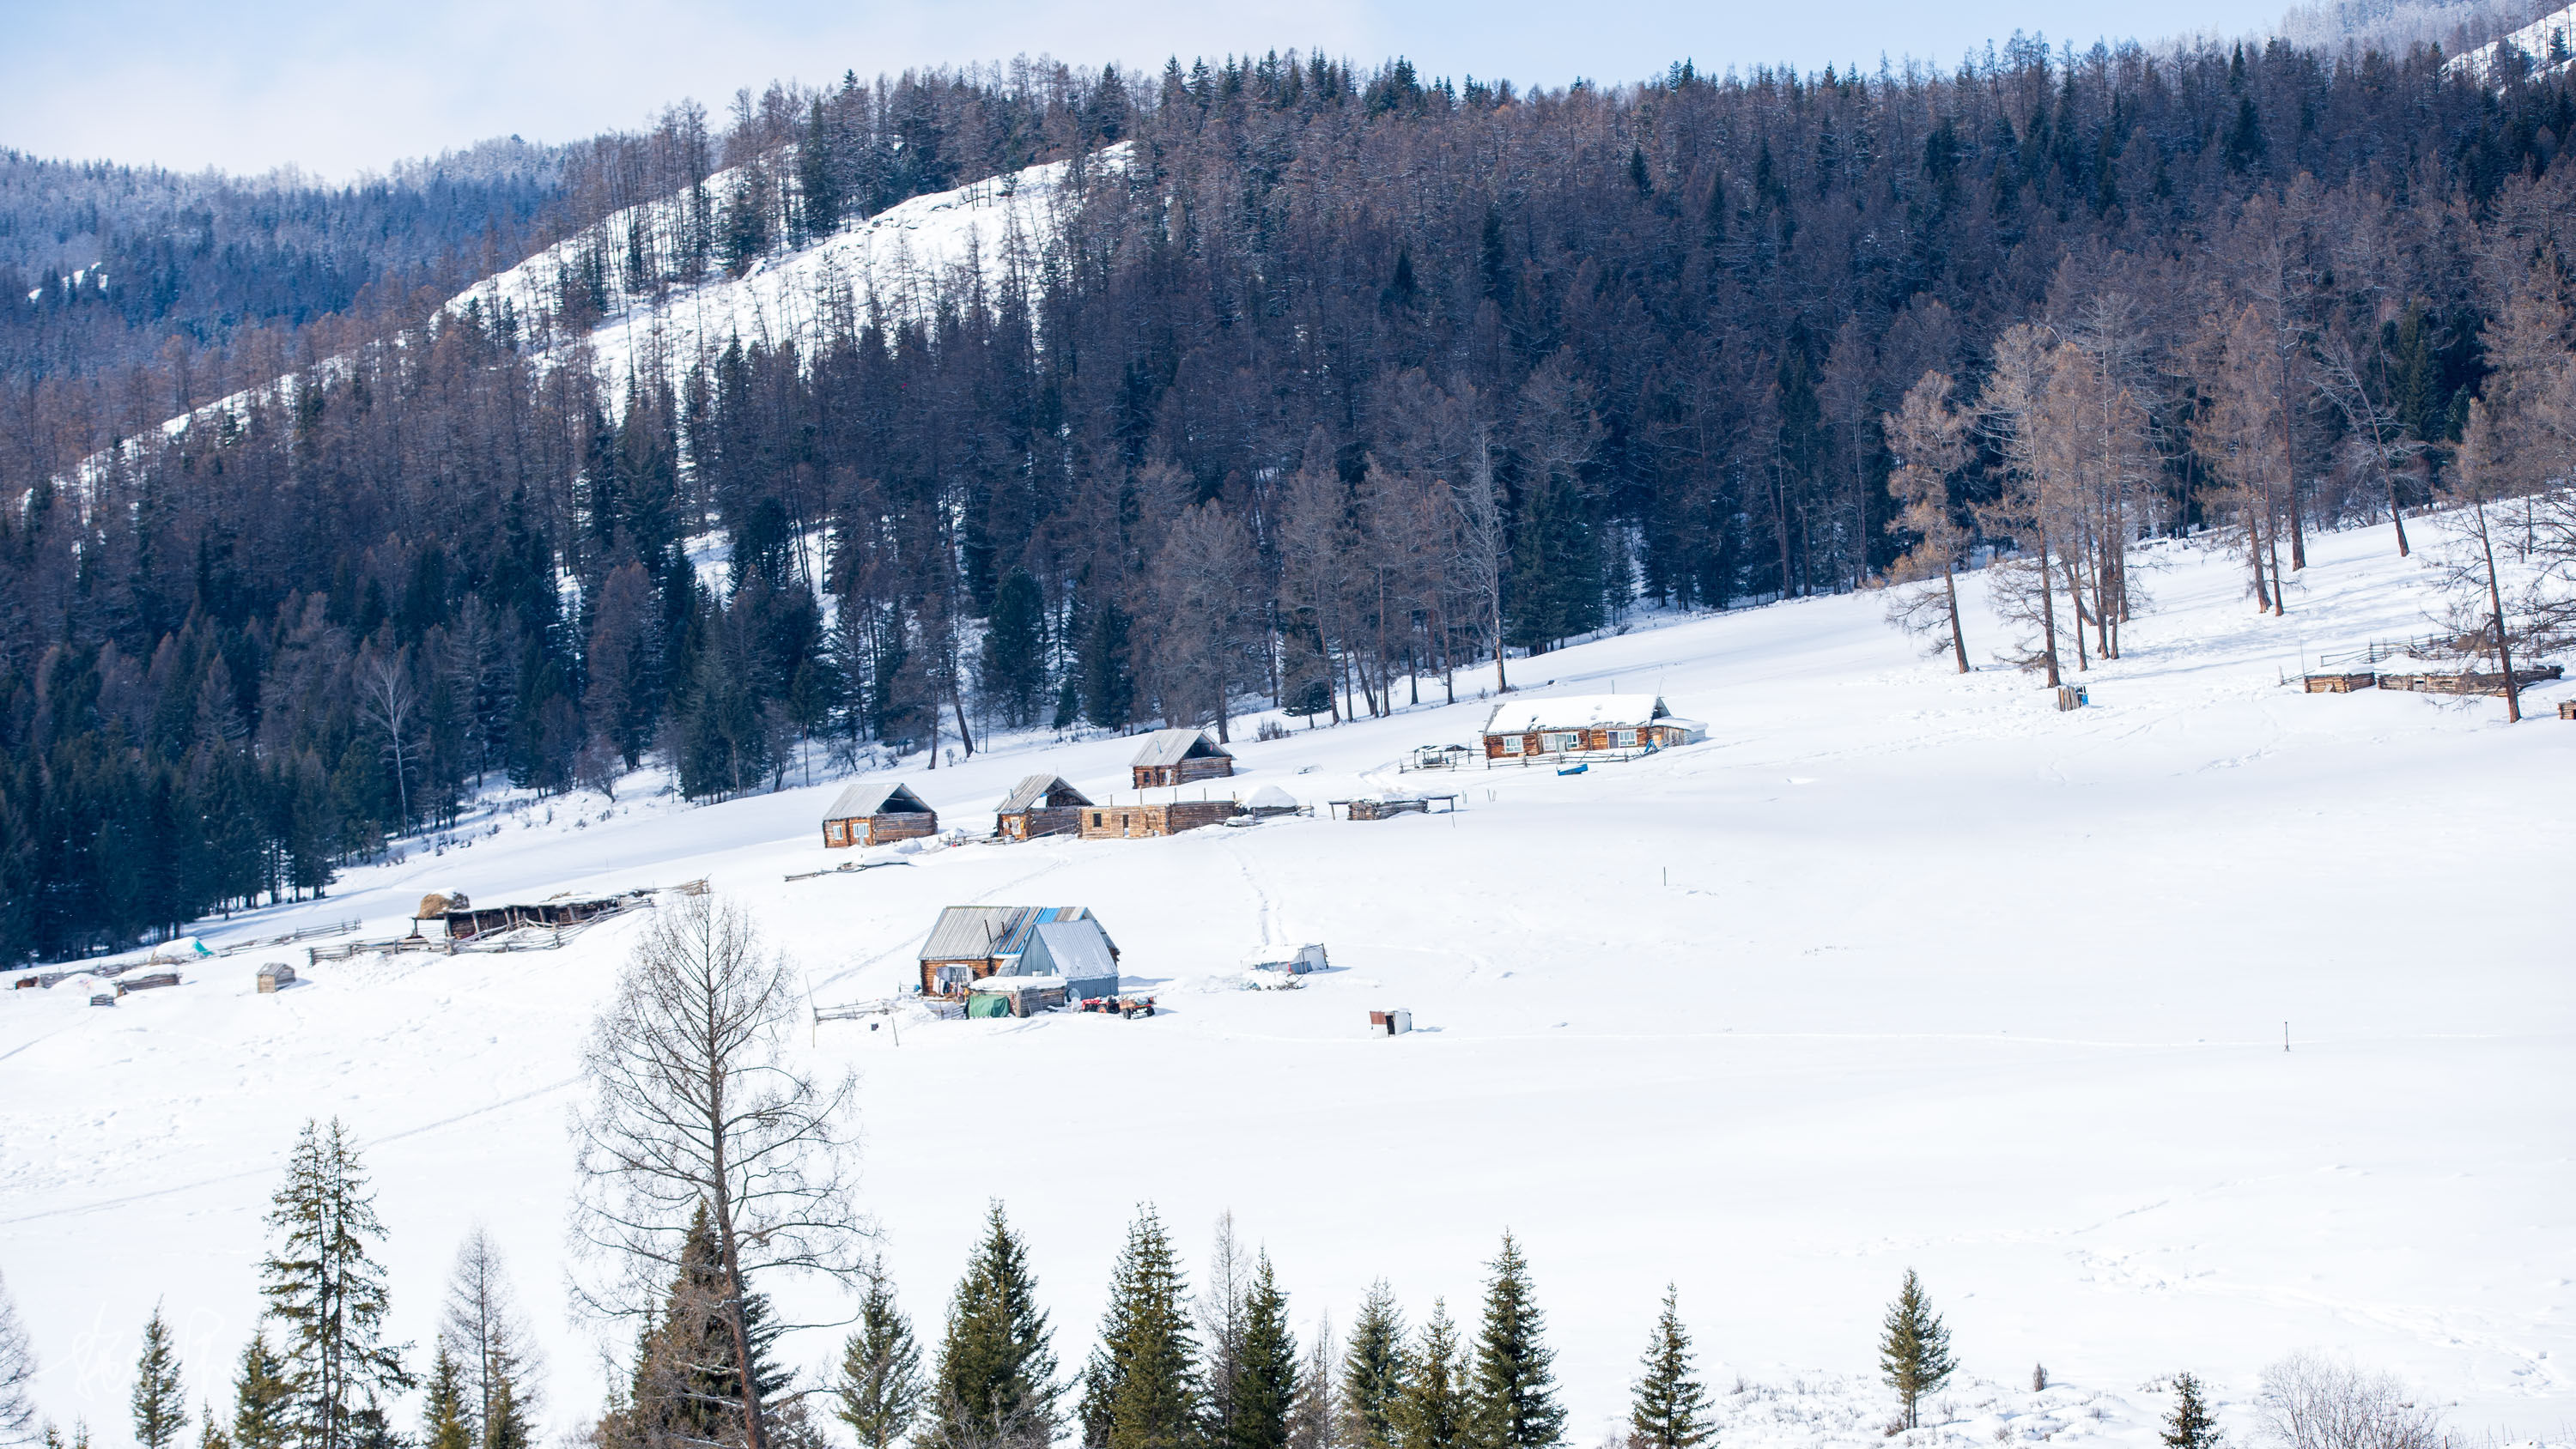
(1170, 747)
(877, 797)
(1576, 712)
(972, 933)
(1039, 790)
(1079, 949)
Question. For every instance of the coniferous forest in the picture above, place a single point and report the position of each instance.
(1340, 387)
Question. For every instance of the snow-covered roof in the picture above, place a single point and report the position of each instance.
(1271, 797)
(876, 797)
(1032, 793)
(1078, 949)
(1170, 747)
(1017, 983)
(1284, 953)
(1575, 712)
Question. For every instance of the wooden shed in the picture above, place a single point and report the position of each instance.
(1180, 757)
(970, 943)
(1141, 822)
(875, 812)
(1040, 805)
(1584, 724)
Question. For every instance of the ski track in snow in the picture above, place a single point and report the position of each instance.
(1900, 968)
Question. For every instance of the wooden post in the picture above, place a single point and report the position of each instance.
(2285, 1036)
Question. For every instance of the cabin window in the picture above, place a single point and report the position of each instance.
(1623, 739)
(1562, 741)
(836, 832)
(1511, 744)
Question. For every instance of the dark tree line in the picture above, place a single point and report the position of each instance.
(1328, 388)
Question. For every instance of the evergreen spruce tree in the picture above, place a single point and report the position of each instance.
(442, 1414)
(17, 1355)
(1373, 1371)
(210, 1433)
(2190, 1425)
(1265, 1376)
(1513, 1393)
(1433, 1410)
(1014, 664)
(688, 1377)
(160, 1405)
(1914, 1352)
(996, 1375)
(1143, 1383)
(505, 1423)
(1671, 1405)
(328, 1294)
(880, 1386)
(262, 1412)
(1108, 683)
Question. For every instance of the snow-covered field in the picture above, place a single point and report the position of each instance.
(1897, 969)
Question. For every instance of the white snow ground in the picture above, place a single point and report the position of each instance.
(1897, 969)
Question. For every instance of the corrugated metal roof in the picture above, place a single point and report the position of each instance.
(1574, 712)
(1032, 793)
(1170, 747)
(876, 797)
(971, 933)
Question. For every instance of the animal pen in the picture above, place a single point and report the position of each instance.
(1389, 809)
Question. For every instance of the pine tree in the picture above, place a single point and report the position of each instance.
(1265, 1375)
(1433, 1410)
(1145, 1375)
(1671, 1405)
(880, 1387)
(996, 1375)
(262, 1411)
(1374, 1371)
(160, 1404)
(328, 1293)
(2190, 1425)
(442, 1415)
(1914, 1352)
(1513, 1396)
(210, 1434)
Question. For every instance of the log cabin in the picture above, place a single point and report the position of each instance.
(1143, 822)
(1180, 757)
(1617, 724)
(971, 943)
(1040, 805)
(874, 812)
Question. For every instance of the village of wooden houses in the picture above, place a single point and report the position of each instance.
(1016, 960)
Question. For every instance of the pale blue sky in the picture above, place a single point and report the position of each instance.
(337, 86)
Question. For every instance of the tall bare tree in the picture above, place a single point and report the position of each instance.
(484, 1331)
(1928, 438)
(695, 1102)
(17, 1366)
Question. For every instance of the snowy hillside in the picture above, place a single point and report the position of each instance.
(1898, 968)
(887, 264)
(2549, 43)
